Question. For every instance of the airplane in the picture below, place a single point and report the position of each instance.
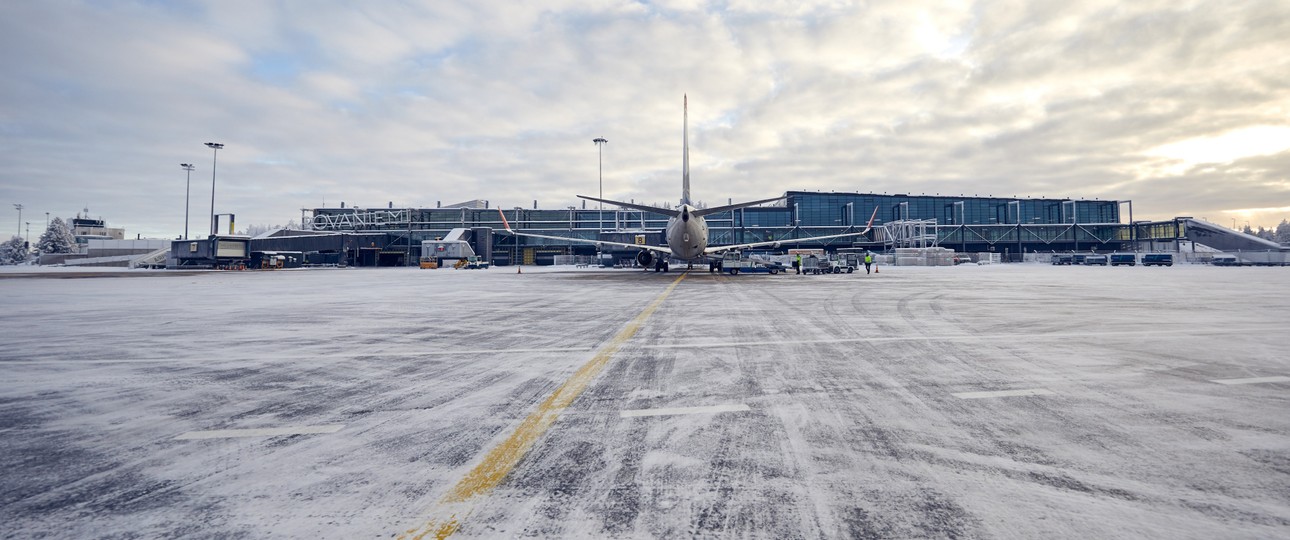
(687, 230)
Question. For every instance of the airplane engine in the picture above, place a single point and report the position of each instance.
(645, 258)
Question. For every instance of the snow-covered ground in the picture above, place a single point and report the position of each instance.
(1002, 401)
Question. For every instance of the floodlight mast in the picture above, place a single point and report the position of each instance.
(600, 147)
(216, 147)
(187, 189)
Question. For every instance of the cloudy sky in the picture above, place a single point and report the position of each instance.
(1182, 107)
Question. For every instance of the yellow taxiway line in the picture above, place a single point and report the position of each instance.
(455, 505)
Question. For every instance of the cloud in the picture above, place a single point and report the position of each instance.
(417, 103)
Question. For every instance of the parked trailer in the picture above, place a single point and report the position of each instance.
(1158, 259)
(812, 265)
(735, 263)
(1118, 259)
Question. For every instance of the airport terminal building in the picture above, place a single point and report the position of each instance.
(1009, 227)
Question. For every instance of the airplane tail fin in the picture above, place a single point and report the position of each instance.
(685, 149)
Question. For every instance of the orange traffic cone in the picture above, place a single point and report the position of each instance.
(875, 269)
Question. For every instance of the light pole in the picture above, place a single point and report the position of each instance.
(28, 240)
(187, 185)
(600, 150)
(19, 207)
(46, 220)
(216, 147)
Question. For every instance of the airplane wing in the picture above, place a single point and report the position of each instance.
(719, 209)
(664, 211)
(660, 249)
(776, 243)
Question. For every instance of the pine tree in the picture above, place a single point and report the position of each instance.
(14, 251)
(57, 238)
(1283, 232)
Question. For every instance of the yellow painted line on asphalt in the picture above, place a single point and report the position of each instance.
(455, 506)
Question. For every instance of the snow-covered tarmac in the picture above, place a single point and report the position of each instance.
(1005, 401)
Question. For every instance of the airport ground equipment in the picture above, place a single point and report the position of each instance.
(429, 264)
(1063, 258)
(734, 263)
(276, 260)
(812, 265)
(441, 251)
(1158, 259)
(1129, 259)
(1095, 260)
(471, 262)
(847, 262)
(212, 252)
(1227, 260)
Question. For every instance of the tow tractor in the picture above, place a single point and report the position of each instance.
(845, 262)
(471, 262)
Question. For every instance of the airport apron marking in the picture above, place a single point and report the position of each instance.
(499, 461)
(1253, 380)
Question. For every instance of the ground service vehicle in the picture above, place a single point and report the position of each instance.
(1158, 259)
(1095, 260)
(1063, 259)
(1118, 259)
(848, 262)
(735, 262)
(1226, 261)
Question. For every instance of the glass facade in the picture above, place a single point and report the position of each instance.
(962, 223)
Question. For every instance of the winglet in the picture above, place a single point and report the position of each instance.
(508, 224)
(867, 225)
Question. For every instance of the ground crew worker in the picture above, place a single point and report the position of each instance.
(797, 263)
(868, 260)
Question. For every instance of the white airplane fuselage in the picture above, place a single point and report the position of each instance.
(687, 234)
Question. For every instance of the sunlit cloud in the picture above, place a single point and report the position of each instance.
(1225, 147)
(1269, 210)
